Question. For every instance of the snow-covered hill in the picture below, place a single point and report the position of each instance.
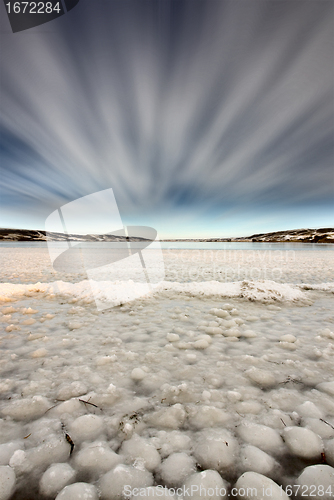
(33, 235)
(322, 235)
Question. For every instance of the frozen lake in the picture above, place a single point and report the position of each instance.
(226, 366)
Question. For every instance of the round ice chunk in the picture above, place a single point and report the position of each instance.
(173, 337)
(39, 353)
(209, 481)
(172, 417)
(249, 406)
(55, 478)
(265, 438)
(263, 378)
(112, 484)
(18, 460)
(288, 338)
(329, 451)
(318, 481)
(201, 344)
(172, 442)
(78, 491)
(72, 390)
(278, 419)
(214, 330)
(253, 485)
(227, 307)
(319, 426)
(219, 312)
(303, 442)
(139, 449)
(216, 449)
(249, 334)
(309, 409)
(29, 310)
(96, 458)
(208, 416)
(7, 482)
(7, 450)
(327, 387)
(138, 374)
(56, 449)
(256, 460)
(71, 406)
(27, 409)
(86, 428)
(176, 468)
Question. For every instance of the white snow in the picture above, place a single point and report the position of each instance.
(177, 387)
(118, 292)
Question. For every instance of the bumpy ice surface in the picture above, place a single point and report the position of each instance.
(223, 376)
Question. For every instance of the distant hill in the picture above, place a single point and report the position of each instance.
(34, 235)
(323, 235)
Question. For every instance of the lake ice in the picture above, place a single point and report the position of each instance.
(222, 377)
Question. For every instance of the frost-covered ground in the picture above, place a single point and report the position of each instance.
(226, 368)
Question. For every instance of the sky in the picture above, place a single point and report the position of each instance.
(207, 118)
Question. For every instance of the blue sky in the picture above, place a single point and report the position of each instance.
(207, 118)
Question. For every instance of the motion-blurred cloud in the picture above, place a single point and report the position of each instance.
(178, 105)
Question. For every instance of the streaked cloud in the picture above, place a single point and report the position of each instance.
(177, 105)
